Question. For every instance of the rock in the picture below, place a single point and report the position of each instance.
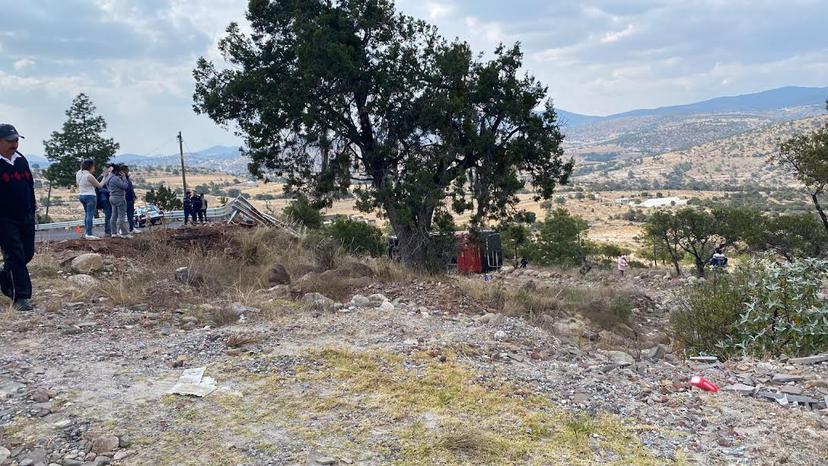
(121, 455)
(318, 302)
(305, 281)
(377, 299)
(791, 390)
(411, 342)
(239, 309)
(86, 263)
(810, 359)
(325, 460)
(500, 335)
(40, 395)
(785, 378)
(72, 462)
(36, 456)
(4, 454)
(358, 269)
(102, 460)
(182, 274)
(818, 383)
(360, 301)
(83, 281)
(278, 275)
(386, 307)
(656, 353)
(507, 269)
(740, 388)
(572, 328)
(280, 291)
(105, 444)
(620, 358)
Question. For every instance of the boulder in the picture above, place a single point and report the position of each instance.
(358, 269)
(280, 291)
(387, 307)
(621, 358)
(377, 299)
(278, 275)
(571, 328)
(83, 281)
(105, 444)
(657, 352)
(360, 301)
(86, 263)
(318, 302)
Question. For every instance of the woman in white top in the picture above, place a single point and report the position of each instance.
(88, 197)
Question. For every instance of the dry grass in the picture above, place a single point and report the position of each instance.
(237, 340)
(607, 306)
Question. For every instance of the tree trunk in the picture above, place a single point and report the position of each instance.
(48, 199)
(820, 211)
(699, 267)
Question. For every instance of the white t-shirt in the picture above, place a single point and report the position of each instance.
(84, 180)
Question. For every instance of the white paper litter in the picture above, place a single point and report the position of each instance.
(193, 382)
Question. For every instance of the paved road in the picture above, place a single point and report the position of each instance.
(60, 235)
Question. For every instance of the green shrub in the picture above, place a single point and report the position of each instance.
(303, 212)
(761, 309)
(785, 314)
(356, 237)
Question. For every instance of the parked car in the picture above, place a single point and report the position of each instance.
(149, 213)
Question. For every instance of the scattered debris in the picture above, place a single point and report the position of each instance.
(193, 382)
(704, 384)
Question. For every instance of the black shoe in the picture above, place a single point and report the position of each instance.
(22, 305)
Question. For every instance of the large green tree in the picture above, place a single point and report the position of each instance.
(81, 137)
(326, 93)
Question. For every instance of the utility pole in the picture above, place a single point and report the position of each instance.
(181, 151)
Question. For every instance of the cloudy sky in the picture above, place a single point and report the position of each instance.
(134, 57)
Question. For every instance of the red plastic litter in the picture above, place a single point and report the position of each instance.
(704, 384)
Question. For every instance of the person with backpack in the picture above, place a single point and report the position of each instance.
(196, 206)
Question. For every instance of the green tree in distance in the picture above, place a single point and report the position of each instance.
(165, 198)
(330, 93)
(806, 155)
(81, 137)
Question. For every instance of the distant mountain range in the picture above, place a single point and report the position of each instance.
(765, 101)
(595, 141)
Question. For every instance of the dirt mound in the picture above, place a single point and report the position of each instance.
(207, 238)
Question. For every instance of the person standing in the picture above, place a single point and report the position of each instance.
(622, 265)
(130, 201)
(103, 200)
(17, 219)
(117, 198)
(188, 207)
(87, 183)
(203, 213)
(196, 202)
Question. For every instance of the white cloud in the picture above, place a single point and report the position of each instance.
(615, 36)
(23, 63)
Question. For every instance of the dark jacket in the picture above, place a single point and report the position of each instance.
(196, 200)
(130, 192)
(188, 203)
(17, 198)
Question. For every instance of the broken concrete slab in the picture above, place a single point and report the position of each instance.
(192, 382)
(785, 378)
(740, 388)
(816, 359)
(707, 359)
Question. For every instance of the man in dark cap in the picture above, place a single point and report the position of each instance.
(17, 219)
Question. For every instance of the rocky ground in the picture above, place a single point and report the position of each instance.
(407, 372)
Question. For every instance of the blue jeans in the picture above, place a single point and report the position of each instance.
(89, 202)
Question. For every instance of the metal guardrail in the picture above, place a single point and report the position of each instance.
(212, 213)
